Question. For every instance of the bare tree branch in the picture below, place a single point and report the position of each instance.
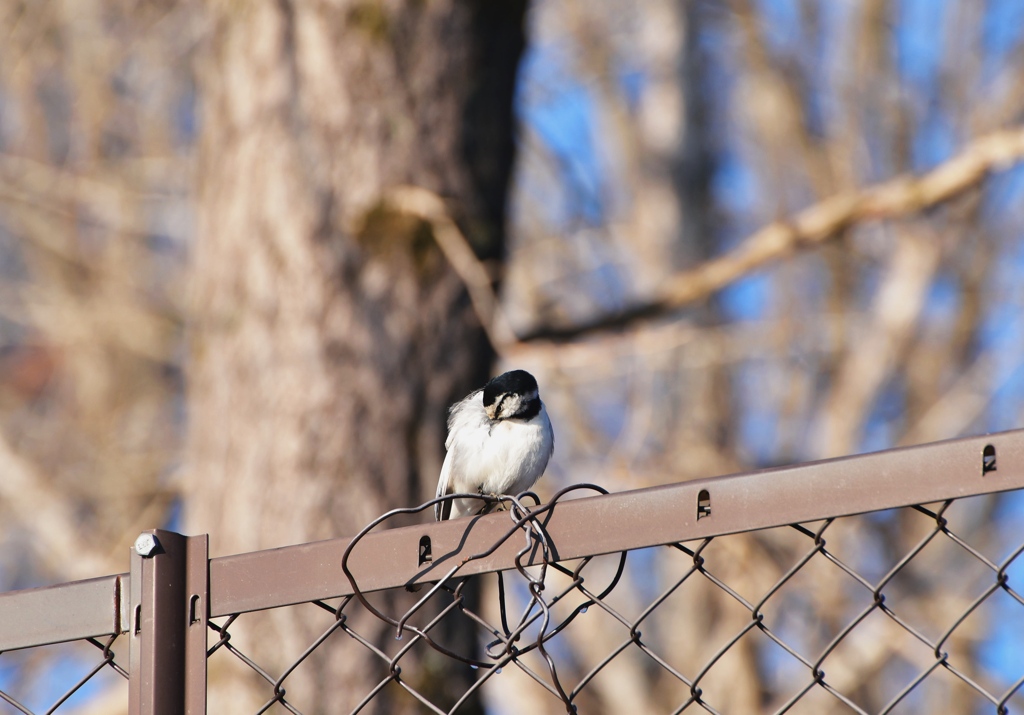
(902, 196)
(429, 207)
(898, 303)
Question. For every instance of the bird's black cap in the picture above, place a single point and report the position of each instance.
(517, 381)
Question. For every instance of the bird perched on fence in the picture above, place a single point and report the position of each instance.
(499, 442)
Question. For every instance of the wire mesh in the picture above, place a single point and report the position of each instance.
(903, 610)
(62, 677)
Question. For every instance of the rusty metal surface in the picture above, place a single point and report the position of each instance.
(623, 521)
(70, 611)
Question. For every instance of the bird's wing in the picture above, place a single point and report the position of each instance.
(464, 415)
(443, 509)
(467, 422)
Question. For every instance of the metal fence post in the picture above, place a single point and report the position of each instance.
(197, 581)
(167, 604)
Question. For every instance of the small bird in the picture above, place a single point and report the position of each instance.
(499, 442)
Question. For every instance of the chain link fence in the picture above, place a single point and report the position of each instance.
(60, 677)
(885, 583)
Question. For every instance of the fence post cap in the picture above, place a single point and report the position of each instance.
(146, 544)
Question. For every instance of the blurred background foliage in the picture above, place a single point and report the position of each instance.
(655, 138)
(97, 133)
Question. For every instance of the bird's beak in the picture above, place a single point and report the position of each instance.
(491, 410)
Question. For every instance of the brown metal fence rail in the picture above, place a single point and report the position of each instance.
(562, 569)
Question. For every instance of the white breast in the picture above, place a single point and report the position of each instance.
(504, 457)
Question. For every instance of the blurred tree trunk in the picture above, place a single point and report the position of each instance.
(330, 333)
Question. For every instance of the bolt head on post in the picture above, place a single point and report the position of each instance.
(146, 544)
